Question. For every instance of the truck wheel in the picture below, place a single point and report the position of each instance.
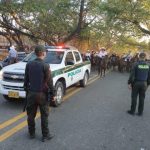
(83, 82)
(58, 93)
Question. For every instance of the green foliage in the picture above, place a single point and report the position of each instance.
(109, 23)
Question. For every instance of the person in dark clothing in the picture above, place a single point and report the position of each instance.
(138, 81)
(38, 82)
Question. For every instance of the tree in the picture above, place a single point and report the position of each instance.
(54, 21)
(129, 17)
(103, 22)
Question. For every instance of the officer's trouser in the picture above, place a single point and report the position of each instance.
(35, 100)
(139, 88)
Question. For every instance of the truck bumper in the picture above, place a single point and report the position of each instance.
(16, 88)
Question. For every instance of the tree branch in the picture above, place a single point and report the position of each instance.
(141, 28)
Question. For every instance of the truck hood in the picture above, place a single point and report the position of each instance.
(20, 67)
(17, 67)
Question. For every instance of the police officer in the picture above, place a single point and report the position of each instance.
(38, 81)
(138, 81)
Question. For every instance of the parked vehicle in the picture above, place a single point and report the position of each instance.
(67, 69)
(21, 56)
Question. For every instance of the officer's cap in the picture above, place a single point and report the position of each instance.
(40, 48)
(142, 55)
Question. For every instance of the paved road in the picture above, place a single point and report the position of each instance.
(95, 118)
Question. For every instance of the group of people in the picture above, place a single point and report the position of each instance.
(37, 88)
(139, 79)
(90, 55)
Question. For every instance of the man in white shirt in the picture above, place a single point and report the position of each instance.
(128, 57)
(102, 53)
(12, 55)
(88, 55)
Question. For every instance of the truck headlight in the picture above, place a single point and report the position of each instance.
(1, 75)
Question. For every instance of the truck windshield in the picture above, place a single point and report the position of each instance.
(52, 57)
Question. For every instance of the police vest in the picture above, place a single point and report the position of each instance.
(141, 71)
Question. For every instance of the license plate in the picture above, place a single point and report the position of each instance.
(13, 94)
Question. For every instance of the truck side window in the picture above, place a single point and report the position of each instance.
(77, 56)
(69, 59)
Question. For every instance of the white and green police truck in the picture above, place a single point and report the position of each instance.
(67, 69)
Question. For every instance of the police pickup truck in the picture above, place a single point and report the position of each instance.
(67, 69)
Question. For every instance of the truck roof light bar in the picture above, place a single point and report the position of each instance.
(60, 47)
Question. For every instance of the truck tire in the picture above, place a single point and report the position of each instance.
(59, 93)
(83, 82)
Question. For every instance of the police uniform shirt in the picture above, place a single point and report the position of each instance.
(140, 72)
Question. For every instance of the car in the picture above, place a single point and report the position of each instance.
(21, 56)
(67, 69)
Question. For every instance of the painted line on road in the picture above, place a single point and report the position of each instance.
(15, 129)
(71, 94)
(93, 80)
(20, 116)
(12, 120)
(79, 89)
(20, 126)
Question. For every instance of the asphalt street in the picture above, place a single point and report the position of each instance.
(94, 118)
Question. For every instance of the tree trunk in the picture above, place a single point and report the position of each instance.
(80, 25)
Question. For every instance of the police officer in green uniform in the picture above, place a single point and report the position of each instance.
(138, 81)
(38, 81)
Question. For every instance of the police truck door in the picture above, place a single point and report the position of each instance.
(78, 67)
(70, 64)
